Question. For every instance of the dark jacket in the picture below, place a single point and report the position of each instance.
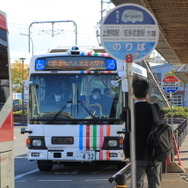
(143, 125)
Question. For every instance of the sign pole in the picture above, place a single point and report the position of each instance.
(129, 30)
(129, 61)
(170, 85)
(172, 123)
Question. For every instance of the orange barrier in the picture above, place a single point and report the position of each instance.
(177, 150)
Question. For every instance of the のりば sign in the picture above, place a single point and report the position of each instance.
(129, 29)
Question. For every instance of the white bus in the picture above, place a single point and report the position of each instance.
(75, 100)
(6, 117)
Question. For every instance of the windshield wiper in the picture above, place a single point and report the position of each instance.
(89, 112)
(66, 105)
(60, 111)
(86, 109)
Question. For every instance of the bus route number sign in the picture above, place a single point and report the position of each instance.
(170, 84)
(129, 29)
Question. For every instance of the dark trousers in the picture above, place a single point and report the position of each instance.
(153, 174)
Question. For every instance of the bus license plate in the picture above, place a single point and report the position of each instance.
(86, 155)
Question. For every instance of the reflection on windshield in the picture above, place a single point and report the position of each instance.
(70, 97)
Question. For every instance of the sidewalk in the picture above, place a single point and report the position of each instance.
(180, 180)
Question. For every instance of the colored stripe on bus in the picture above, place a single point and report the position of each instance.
(81, 137)
(101, 137)
(94, 54)
(108, 130)
(94, 72)
(106, 72)
(94, 137)
(87, 137)
(107, 134)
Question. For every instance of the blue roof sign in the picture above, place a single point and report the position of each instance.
(129, 29)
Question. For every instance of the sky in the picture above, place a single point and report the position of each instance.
(85, 14)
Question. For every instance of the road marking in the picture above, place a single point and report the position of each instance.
(97, 180)
(54, 180)
(25, 174)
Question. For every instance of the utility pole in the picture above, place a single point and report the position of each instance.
(32, 49)
(22, 60)
(51, 22)
(102, 8)
(101, 19)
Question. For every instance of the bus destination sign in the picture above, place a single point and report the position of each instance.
(75, 63)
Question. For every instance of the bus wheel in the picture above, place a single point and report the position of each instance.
(45, 165)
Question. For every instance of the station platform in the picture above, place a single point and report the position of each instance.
(178, 179)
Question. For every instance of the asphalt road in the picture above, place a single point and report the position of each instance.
(27, 174)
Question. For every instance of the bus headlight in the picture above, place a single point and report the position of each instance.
(112, 143)
(36, 142)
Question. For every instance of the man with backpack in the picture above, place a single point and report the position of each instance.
(144, 122)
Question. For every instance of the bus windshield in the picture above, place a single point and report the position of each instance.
(73, 97)
(4, 72)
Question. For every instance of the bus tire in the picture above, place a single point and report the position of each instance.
(44, 165)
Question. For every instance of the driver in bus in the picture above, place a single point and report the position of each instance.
(96, 95)
(96, 100)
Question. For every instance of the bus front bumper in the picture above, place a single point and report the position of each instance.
(85, 155)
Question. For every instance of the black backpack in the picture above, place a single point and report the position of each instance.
(160, 139)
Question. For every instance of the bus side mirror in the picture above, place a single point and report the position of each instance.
(124, 83)
(122, 74)
(24, 130)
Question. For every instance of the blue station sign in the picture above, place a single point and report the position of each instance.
(129, 29)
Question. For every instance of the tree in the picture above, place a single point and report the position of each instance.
(177, 112)
(16, 69)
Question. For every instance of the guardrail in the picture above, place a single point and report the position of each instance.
(180, 132)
